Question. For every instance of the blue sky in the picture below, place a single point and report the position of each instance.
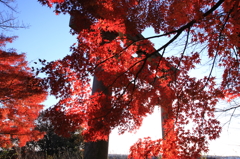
(48, 38)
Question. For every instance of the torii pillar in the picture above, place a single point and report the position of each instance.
(99, 149)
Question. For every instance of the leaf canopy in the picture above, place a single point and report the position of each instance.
(139, 76)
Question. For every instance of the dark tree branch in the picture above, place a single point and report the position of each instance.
(225, 110)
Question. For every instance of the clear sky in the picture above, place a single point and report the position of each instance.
(48, 38)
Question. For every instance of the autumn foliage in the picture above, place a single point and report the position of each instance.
(140, 77)
(20, 98)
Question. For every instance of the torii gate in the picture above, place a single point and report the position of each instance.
(99, 149)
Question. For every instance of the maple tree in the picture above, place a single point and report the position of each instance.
(21, 96)
(110, 47)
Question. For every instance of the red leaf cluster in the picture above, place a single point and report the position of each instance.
(20, 99)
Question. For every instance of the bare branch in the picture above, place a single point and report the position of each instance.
(7, 4)
(225, 110)
(8, 20)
